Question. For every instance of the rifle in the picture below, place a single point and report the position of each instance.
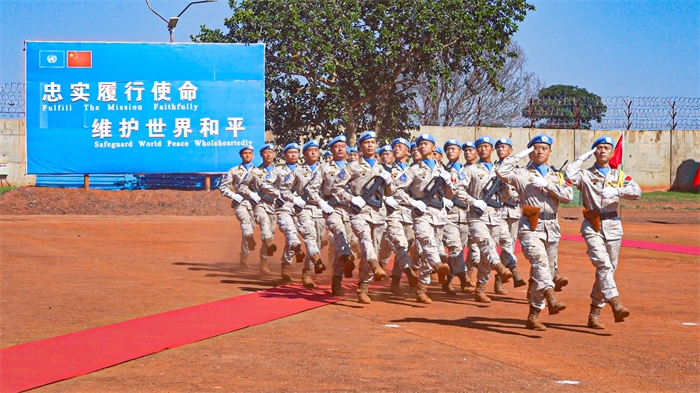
(298, 209)
(493, 187)
(371, 193)
(561, 168)
(435, 187)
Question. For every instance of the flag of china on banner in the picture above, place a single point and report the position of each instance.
(80, 59)
(617, 156)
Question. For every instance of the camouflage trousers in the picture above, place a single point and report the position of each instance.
(455, 237)
(288, 226)
(486, 237)
(338, 226)
(369, 235)
(603, 254)
(268, 225)
(542, 254)
(244, 214)
(312, 230)
(394, 240)
(507, 239)
(428, 242)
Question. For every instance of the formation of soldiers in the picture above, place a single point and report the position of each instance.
(440, 221)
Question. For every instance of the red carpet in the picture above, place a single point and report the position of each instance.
(38, 363)
(677, 248)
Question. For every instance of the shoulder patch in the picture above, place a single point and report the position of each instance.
(462, 176)
(403, 177)
(286, 178)
(341, 175)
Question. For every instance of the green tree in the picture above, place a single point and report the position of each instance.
(349, 65)
(564, 106)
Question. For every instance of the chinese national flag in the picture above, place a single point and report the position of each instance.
(82, 59)
(617, 156)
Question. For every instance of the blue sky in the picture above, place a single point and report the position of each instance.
(612, 47)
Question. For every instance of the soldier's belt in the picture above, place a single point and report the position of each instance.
(333, 202)
(511, 204)
(608, 215)
(267, 198)
(548, 216)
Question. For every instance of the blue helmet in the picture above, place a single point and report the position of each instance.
(311, 143)
(402, 141)
(339, 138)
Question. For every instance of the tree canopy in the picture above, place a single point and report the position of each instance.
(564, 106)
(349, 65)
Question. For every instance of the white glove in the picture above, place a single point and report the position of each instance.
(610, 192)
(299, 201)
(386, 176)
(480, 205)
(448, 203)
(325, 207)
(391, 202)
(254, 196)
(446, 176)
(237, 197)
(358, 201)
(524, 153)
(539, 182)
(418, 205)
(586, 155)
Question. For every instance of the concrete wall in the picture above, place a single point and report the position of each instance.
(657, 160)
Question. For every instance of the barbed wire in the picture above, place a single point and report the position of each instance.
(638, 113)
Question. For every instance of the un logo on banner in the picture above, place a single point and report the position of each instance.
(51, 59)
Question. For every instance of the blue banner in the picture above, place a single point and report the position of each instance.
(142, 107)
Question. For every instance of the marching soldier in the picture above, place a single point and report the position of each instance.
(243, 208)
(386, 154)
(259, 187)
(601, 189)
(362, 185)
(337, 218)
(353, 154)
(483, 216)
(473, 255)
(510, 214)
(427, 183)
(415, 154)
(311, 223)
(541, 189)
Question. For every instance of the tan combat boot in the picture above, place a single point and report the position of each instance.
(244, 261)
(379, 273)
(447, 286)
(299, 254)
(559, 281)
(250, 240)
(518, 280)
(348, 265)
(337, 287)
(362, 293)
(443, 270)
(594, 318)
(463, 282)
(286, 274)
(553, 304)
(532, 322)
(263, 267)
(421, 295)
(503, 272)
(319, 267)
(411, 276)
(480, 295)
(470, 281)
(619, 311)
(270, 247)
(498, 286)
(306, 279)
(396, 285)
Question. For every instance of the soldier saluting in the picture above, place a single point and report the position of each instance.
(601, 189)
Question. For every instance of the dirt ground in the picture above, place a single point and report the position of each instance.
(74, 259)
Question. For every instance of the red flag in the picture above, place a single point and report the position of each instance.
(81, 59)
(696, 180)
(617, 156)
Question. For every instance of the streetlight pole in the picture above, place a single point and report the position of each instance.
(173, 20)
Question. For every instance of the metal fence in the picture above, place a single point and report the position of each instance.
(614, 113)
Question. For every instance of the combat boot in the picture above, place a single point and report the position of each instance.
(498, 286)
(362, 293)
(463, 282)
(411, 275)
(480, 295)
(286, 274)
(379, 273)
(503, 272)
(470, 281)
(299, 254)
(553, 304)
(250, 240)
(348, 262)
(319, 267)
(263, 267)
(447, 286)
(443, 270)
(396, 285)
(421, 295)
(532, 322)
(594, 318)
(619, 311)
(244, 261)
(337, 287)
(270, 247)
(306, 279)
(559, 281)
(518, 280)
